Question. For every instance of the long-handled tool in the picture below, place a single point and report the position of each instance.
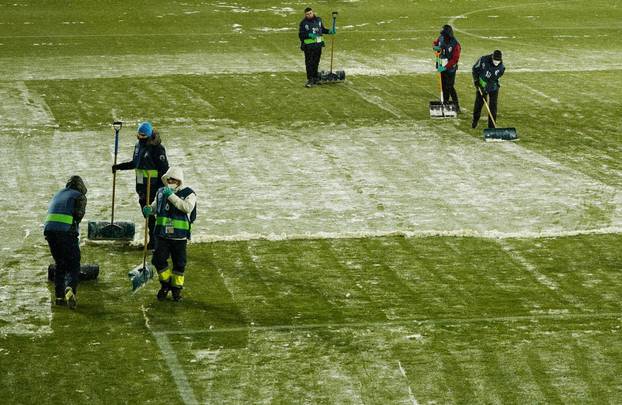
(330, 76)
(332, 40)
(442, 109)
(110, 230)
(140, 274)
(497, 134)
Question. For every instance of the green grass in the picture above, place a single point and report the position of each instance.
(466, 321)
(343, 315)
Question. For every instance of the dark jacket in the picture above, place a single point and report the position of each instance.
(485, 70)
(149, 155)
(450, 50)
(70, 201)
(313, 26)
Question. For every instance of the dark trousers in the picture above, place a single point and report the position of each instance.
(313, 54)
(142, 200)
(448, 81)
(174, 248)
(65, 249)
(492, 104)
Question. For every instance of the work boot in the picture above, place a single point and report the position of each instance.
(176, 294)
(163, 291)
(309, 83)
(70, 297)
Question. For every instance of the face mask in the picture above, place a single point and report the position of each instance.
(172, 186)
(496, 62)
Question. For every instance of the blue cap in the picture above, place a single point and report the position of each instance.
(145, 129)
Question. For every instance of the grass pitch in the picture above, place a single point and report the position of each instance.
(357, 253)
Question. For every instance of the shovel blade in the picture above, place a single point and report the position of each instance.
(99, 230)
(331, 77)
(87, 272)
(500, 134)
(443, 110)
(140, 275)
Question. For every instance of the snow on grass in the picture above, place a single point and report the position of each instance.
(354, 62)
(25, 304)
(408, 179)
(22, 109)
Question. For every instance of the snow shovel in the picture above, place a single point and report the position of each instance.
(87, 272)
(497, 134)
(330, 76)
(142, 273)
(111, 230)
(440, 109)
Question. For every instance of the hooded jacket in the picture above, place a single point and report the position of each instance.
(67, 208)
(179, 206)
(450, 49)
(149, 157)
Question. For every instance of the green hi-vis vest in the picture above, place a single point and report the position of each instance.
(143, 174)
(315, 40)
(171, 222)
(60, 211)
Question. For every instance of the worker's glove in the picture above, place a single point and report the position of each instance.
(312, 35)
(482, 83)
(333, 31)
(437, 48)
(147, 211)
(167, 192)
(441, 68)
(115, 168)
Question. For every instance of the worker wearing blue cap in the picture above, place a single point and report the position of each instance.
(149, 161)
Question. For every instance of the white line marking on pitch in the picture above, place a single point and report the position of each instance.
(413, 400)
(533, 270)
(405, 322)
(183, 386)
(377, 101)
(207, 238)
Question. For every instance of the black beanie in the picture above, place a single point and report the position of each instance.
(497, 55)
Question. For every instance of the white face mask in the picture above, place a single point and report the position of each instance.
(172, 186)
(496, 62)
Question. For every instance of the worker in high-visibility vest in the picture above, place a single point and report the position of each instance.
(311, 43)
(149, 160)
(175, 209)
(62, 230)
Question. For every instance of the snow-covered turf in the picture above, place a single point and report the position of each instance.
(348, 249)
(408, 179)
(90, 67)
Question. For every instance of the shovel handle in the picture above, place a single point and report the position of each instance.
(117, 127)
(332, 41)
(146, 221)
(494, 124)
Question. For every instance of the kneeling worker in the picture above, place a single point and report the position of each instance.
(62, 228)
(175, 211)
